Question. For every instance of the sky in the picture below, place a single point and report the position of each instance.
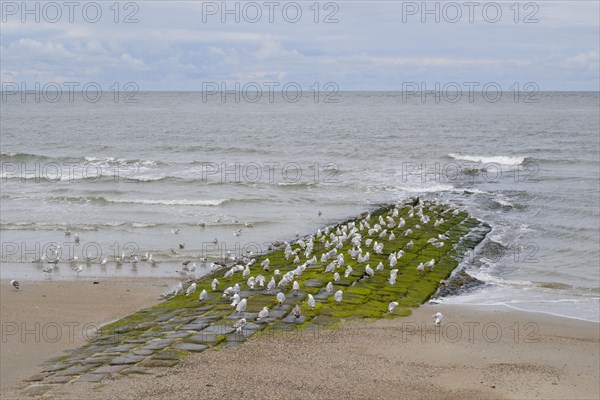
(354, 45)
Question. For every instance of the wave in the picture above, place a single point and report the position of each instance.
(502, 160)
(174, 202)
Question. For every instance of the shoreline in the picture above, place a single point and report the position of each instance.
(404, 357)
(44, 318)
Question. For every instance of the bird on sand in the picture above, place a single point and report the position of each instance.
(437, 318)
(15, 284)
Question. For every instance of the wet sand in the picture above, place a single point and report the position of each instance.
(42, 319)
(477, 353)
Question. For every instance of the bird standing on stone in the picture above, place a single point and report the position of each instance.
(297, 311)
(264, 313)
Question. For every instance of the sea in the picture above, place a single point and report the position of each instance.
(181, 176)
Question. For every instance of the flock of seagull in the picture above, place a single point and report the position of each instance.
(362, 238)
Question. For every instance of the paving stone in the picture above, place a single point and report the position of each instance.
(136, 370)
(56, 367)
(143, 352)
(211, 339)
(191, 347)
(127, 359)
(194, 326)
(98, 359)
(182, 320)
(158, 344)
(59, 379)
(37, 389)
(240, 336)
(75, 370)
(291, 319)
(177, 335)
(312, 283)
(253, 326)
(247, 315)
(38, 377)
(217, 329)
(202, 310)
(152, 334)
(166, 355)
(323, 295)
(135, 341)
(169, 316)
(122, 348)
(275, 314)
(150, 363)
(109, 369)
(91, 378)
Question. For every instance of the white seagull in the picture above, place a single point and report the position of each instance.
(191, 289)
(214, 284)
(239, 324)
(264, 313)
(392, 305)
(203, 295)
(437, 318)
(241, 307)
(280, 297)
(338, 296)
(311, 301)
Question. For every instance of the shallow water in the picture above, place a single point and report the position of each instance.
(122, 176)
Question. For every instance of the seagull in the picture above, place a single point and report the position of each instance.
(297, 311)
(203, 295)
(241, 307)
(181, 246)
(239, 324)
(78, 269)
(336, 277)
(271, 283)
(338, 296)
(420, 267)
(280, 297)
(409, 245)
(15, 284)
(67, 233)
(311, 301)
(76, 238)
(191, 289)
(429, 264)
(392, 305)
(437, 318)
(369, 270)
(329, 287)
(264, 313)
(175, 231)
(214, 284)
(296, 288)
(235, 300)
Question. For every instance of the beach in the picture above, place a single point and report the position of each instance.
(42, 319)
(477, 353)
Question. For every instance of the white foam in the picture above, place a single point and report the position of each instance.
(503, 160)
(175, 202)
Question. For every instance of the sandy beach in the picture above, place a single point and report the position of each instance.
(42, 319)
(477, 353)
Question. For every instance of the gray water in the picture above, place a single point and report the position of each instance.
(122, 176)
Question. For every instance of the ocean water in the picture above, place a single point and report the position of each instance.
(122, 176)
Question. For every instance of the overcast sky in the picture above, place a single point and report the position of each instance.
(375, 45)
